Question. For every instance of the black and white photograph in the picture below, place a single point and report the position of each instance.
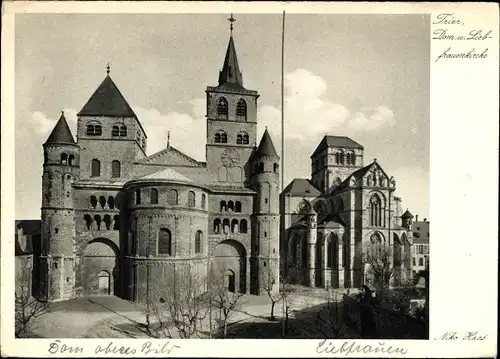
(224, 175)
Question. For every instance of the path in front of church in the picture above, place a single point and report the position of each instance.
(112, 317)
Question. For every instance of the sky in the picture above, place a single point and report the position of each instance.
(362, 76)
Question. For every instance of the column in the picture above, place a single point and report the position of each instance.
(312, 267)
(248, 278)
(323, 265)
(340, 262)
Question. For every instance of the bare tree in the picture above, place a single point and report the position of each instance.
(184, 300)
(224, 300)
(270, 285)
(27, 308)
(330, 318)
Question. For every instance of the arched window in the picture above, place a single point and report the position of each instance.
(377, 247)
(116, 222)
(375, 211)
(164, 242)
(243, 226)
(222, 109)
(276, 168)
(64, 159)
(137, 196)
(111, 202)
(107, 221)
(353, 159)
(172, 197)
(115, 132)
(93, 201)
(239, 139)
(237, 206)
(88, 220)
(217, 138)
(90, 130)
(71, 160)
(230, 206)
(337, 158)
(225, 225)
(153, 196)
(261, 167)
(234, 226)
(420, 261)
(203, 201)
(341, 158)
(216, 225)
(115, 169)
(191, 199)
(123, 131)
(197, 241)
(97, 220)
(102, 201)
(223, 206)
(95, 170)
(241, 110)
(329, 254)
(348, 159)
(245, 139)
(223, 137)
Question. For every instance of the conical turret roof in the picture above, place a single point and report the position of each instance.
(61, 132)
(107, 100)
(266, 147)
(407, 214)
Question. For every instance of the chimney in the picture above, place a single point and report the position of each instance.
(416, 218)
(425, 219)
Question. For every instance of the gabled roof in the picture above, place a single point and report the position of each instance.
(168, 175)
(61, 133)
(301, 187)
(360, 173)
(266, 147)
(170, 156)
(107, 100)
(336, 141)
(230, 73)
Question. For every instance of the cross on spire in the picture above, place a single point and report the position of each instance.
(168, 139)
(231, 20)
(108, 69)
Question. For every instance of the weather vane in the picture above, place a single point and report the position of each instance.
(231, 20)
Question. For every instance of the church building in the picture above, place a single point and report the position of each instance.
(116, 221)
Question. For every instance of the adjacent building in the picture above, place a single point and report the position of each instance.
(420, 250)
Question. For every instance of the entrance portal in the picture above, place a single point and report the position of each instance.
(104, 283)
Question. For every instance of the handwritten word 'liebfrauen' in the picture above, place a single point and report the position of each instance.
(147, 348)
(327, 347)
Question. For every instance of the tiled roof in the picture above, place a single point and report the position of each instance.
(301, 187)
(107, 100)
(336, 141)
(407, 214)
(61, 132)
(167, 174)
(266, 147)
(157, 158)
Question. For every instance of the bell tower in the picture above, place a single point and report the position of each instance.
(231, 121)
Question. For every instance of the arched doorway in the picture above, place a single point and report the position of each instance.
(229, 258)
(104, 283)
(100, 268)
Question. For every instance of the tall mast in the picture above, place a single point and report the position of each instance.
(283, 104)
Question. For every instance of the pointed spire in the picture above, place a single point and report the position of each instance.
(230, 73)
(61, 132)
(266, 147)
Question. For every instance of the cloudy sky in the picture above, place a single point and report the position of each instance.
(364, 76)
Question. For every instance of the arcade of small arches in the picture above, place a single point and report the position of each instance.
(68, 160)
(227, 226)
(230, 206)
(98, 223)
(223, 109)
(109, 203)
(172, 198)
(259, 167)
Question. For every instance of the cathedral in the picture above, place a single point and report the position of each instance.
(115, 221)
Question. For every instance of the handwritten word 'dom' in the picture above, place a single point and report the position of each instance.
(327, 347)
(147, 348)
